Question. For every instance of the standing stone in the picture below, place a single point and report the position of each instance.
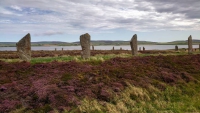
(55, 49)
(190, 44)
(176, 48)
(93, 47)
(85, 45)
(199, 47)
(62, 49)
(143, 49)
(133, 44)
(24, 48)
(113, 48)
(140, 49)
(120, 48)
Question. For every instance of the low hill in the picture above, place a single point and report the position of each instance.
(181, 42)
(118, 42)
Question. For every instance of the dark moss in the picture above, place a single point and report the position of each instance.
(44, 109)
(66, 77)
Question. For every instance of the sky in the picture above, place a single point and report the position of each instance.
(66, 20)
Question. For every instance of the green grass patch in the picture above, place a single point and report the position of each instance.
(152, 100)
(99, 57)
(93, 59)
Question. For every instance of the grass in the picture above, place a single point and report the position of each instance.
(71, 58)
(151, 100)
(98, 57)
(139, 100)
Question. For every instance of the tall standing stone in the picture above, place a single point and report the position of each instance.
(199, 47)
(93, 47)
(24, 48)
(133, 44)
(113, 48)
(139, 48)
(85, 45)
(143, 48)
(190, 45)
(176, 48)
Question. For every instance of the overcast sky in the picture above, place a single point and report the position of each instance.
(66, 20)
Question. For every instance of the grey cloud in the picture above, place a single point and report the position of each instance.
(190, 8)
(49, 33)
(72, 16)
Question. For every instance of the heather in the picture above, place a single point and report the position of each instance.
(108, 83)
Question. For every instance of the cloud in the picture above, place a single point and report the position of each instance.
(78, 16)
(49, 33)
(189, 8)
(16, 7)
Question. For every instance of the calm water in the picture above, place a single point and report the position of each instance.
(124, 47)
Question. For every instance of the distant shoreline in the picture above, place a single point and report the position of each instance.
(103, 47)
(91, 45)
(98, 43)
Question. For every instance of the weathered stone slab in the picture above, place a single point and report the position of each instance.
(190, 45)
(93, 47)
(24, 48)
(133, 44)
(199, 47)
(139, 48)
(85, 45)
(143, 48)
(176, 48)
